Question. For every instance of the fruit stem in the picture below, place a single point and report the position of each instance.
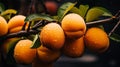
(23, 27)
(29, 27)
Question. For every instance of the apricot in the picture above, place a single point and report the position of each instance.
(23, 54)
(96, 40)
(47, 55)
(73, 47)
(17, 29)
(52, 36)
(3, 26)
(15, 23)
(73, 25)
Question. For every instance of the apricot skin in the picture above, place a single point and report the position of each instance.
(96, 40)
(3, 26)
(16, 23)
(73, 25)
(74, 47)
(23, 54)
(47, 55)
(52, 36)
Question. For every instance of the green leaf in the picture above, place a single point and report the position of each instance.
(75, 10)
(95, 12)
(12, 43)
(106, 12)
(83, 10)
(2, 7)
(10, 51)
(10, 59)
(8, 11)
(115, 37)
(36, 42)
(36, 17)
(63, 9)
(7, 17)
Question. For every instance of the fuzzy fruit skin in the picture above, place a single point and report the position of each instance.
(3, 26)
(46, 55)
(74, 47)
(73, 25)
(52, 36)
(51, 7)
(23, 54)
(16, 23)
(96, 40)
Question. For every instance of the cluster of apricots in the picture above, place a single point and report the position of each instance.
(13, 25)
(70, 38)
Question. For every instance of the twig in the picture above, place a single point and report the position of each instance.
(94, 23)
(114, 28)
(37, 25)
(19, 34)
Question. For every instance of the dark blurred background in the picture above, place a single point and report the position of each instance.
(111, 58)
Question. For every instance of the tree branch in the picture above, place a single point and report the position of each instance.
(34, 29)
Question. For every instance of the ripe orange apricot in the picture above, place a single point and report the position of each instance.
(96, 40)
(15, 23)
(46, 55)
(23, 53)
(17, 29)
(73, 47)
(73, 25)
(52, 36)
(3, 26)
